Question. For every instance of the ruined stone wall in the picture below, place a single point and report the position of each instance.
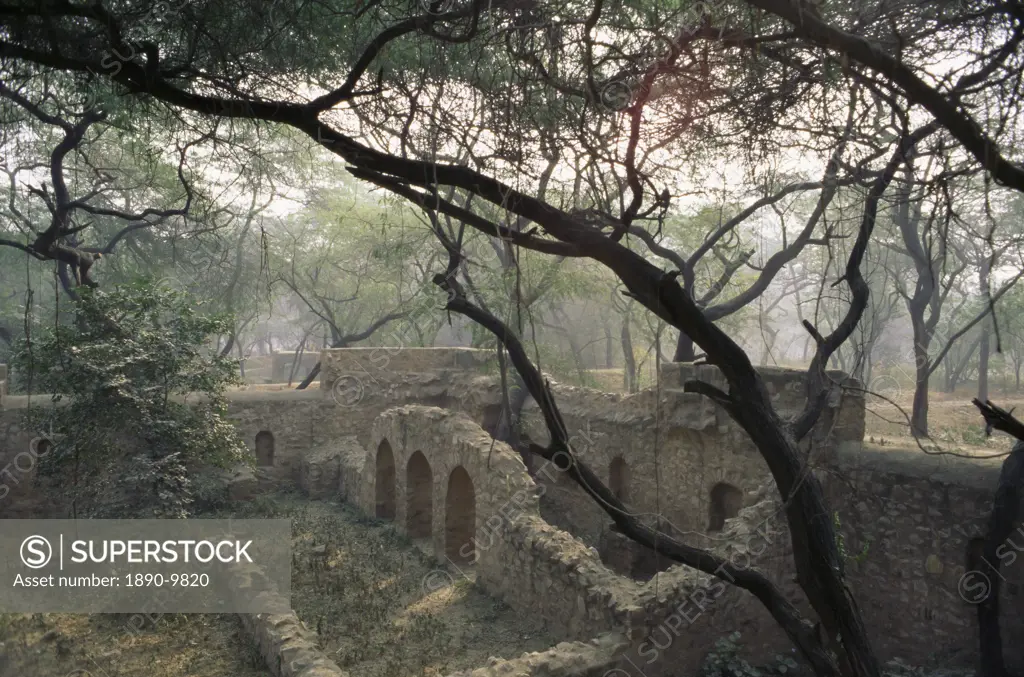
(677, 447)
(915, 514)
(282, 365)
(449, 442)
(20, 452)
(534, 542)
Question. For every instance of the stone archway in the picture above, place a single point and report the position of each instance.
(726, 501)
(460, 518)
(264, 448)
(419, 487)
(618, 479)
(385, 483)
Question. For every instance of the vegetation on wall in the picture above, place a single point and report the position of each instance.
(124, 440)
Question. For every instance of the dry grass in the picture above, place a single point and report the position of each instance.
(954, 424)
(102, 645)
(381, 607)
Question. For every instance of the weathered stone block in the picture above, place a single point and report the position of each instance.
(241, 483)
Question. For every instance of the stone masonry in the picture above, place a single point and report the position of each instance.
(399, 433)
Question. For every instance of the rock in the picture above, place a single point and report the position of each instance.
(241, 484)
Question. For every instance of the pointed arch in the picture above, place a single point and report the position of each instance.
(264, 448)
(385, 483)
(726, 501)
(460, 518)
(419, 487)
(619, 479)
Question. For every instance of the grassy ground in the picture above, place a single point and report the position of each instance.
(103, 645)
(381, 607)
(954, 424)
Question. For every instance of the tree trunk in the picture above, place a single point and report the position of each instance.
(226, 350)
(954, 372)
(507, 429)
(980, 585)
(685, 351)
(769, 345)
(983, 355)
(922, 370)
(574, 347)
(241, 360)
(609, 348)
(297, 360)
(629, 362)
(313, 373)
(983, 352)
(919, 414)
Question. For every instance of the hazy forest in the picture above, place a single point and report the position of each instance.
(589, 189)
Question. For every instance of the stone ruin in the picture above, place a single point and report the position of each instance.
(402, 435)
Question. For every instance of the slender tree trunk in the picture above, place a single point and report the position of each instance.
(577, 352)
(983, 360)
(919, 414)
(769, 345)
(507, 429)
(629, 362)
(226, 350)
(922, 369)
(241, 360)
(954, 372)
(983, 353)
(609, 348)
(313, 373)
(297, 360)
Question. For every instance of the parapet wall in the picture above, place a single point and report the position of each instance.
(365, 368)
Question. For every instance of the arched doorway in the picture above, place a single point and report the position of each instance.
(618, 479)
(385, 483)
(419, 486)
(264, 448)
(460, 518)
(726, 501)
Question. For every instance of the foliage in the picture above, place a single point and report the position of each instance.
(841, 544)
(126, 440)
(724, 661)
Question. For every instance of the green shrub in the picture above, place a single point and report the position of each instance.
(138, 402)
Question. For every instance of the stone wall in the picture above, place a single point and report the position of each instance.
(677, 447)
(281, 366)
(20, 452)
(535, 538)
(915, 514)
(369, 368)
(450, 443)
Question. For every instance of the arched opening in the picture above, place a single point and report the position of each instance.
(618, 479)
(265, 448)
(726, 501)
(460, 518)
(419, 485)
(385, 484)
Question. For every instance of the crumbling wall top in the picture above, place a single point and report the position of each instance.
(379, 362)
